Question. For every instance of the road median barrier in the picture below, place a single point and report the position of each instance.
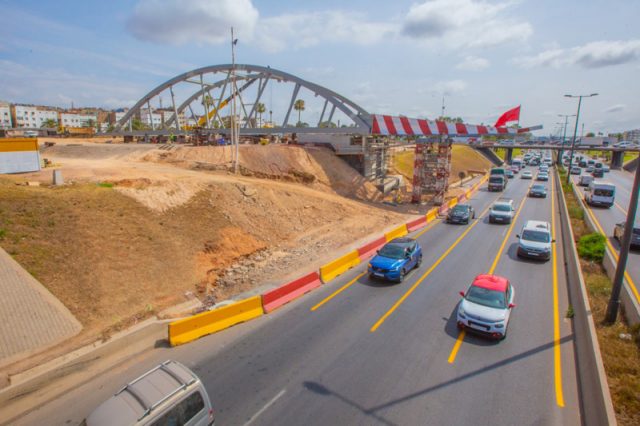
(421, 222)
(369, 249)
(432, 215)
(192, 328)
(596, 407)
(277, 297)
(462, 197)
(400, 231)
(339, 266)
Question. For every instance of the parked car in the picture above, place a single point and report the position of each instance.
(486, 306)
(502, 211)
(395, 259)
(461, 213)
(618, 232)
(576, 170)
(534, 241)
(526, 175)
(538, 190)
(542, 176)
(169, 394)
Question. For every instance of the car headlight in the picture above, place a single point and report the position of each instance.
(461, 311)
(370, 265)
(499, 325)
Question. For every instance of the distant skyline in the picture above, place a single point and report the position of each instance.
(390, 57)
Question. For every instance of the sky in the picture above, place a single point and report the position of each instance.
(390, 57)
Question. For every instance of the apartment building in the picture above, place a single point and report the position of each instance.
(31, 116)
(69, 119)
(5, 116)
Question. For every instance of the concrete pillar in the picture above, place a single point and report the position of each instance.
(559, 157)
(57, 178)
(617, 158)
(509, 157)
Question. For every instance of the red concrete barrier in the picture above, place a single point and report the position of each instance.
(369, 250)
(417, 224)
(275, 298)
(443, 209)
(462, 197)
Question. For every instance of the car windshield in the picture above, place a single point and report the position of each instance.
(393, 251)
(537, 188)
(536, 236)
(459, 209)
(501, 207)
(495, 180)
(603, 192)
(483, 296)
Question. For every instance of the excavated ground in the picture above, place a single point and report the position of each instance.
(139, 228)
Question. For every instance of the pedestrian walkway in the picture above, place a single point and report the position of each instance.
(31, 318)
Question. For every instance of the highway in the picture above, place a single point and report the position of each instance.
(606, 219)
(357, 351)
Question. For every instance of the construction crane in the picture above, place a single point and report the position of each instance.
(203, 120)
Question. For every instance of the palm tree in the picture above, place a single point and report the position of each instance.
(260, 108)
(49, 123)
(299, 106)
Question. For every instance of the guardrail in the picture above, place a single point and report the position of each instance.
(595, 402)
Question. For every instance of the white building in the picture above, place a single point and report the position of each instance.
(33, 116)
(78, 120)
(632, 135)
(151, 118)
(5, 116)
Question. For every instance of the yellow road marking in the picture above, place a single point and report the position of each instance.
(456, 347)
(337, 292)
(614, 252)
(557, 359)
(427, 273)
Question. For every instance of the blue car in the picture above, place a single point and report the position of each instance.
(396, 259)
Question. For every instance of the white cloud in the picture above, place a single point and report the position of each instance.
(615, 108)
(464, 23)
(448, 87)
(596, 54)
(473, 63)
(309, 29)
(201, 21)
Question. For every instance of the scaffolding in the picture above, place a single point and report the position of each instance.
(431, 170)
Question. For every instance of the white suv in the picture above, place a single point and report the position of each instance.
(534, 241)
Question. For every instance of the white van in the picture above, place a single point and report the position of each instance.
(169, 394)
(600, 193)
(585, 180)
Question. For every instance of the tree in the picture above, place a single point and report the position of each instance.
(49, 123)
(302, 124)
(299, 106)
(90, 123)
(260, 108)
(137, 124)
(590, 135)
(328, 124)
(451, 119)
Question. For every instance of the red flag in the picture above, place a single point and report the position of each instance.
(511, 115)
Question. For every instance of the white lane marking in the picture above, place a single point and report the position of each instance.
(266, 407)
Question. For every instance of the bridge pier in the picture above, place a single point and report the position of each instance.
(617, 159)
(559, 157)
(509, 156)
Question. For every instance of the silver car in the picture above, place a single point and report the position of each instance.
(502, 211)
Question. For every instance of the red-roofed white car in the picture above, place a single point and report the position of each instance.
(486, 306)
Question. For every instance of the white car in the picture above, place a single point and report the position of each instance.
(534, 241)
(526, 175)
(486, 306)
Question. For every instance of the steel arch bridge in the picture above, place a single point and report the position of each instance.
(214, 89)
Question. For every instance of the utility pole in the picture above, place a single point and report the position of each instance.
(442, 113)
(614, 301)
(564, 134)
(234, 125)
(575, 130)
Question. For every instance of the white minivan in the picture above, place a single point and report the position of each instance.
(600, 193)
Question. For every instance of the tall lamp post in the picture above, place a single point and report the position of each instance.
(564, 133)
(575, 131)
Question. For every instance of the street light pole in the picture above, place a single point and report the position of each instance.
(614, 301)
(575, 131)
(564, 133)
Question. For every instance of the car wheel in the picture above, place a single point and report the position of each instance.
(419, 262)
(403, 272)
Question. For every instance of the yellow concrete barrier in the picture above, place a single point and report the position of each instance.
(400, 231)
(339, 266)
(192, 328)
(432, 214)
(453, 202)
(468, 194)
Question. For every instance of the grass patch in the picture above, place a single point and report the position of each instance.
(105, 185)
(3, 233)
(629, 156)
(621, 357)
(592, 246)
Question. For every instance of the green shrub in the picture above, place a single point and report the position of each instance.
(592, 246)
(2, 233)
(105, 185)
(576, 212)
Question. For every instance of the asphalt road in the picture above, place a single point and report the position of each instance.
(389, 354)
(607, 218)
